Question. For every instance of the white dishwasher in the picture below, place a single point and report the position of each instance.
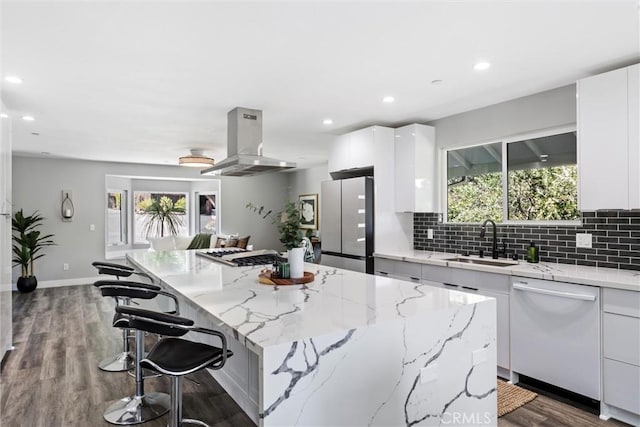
(555, 334)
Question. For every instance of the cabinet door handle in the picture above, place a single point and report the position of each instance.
(384, 273)
(470, 289)
(560, 294)
(450, 285)
(414, 278)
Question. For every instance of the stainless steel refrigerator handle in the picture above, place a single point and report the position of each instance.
(5, 214)
(525, 288)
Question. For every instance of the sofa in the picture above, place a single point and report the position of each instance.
(171, 243)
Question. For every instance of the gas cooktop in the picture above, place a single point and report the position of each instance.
(236, 257)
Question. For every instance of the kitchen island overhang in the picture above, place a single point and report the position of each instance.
(346, 349)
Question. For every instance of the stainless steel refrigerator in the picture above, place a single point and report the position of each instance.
(346, 224)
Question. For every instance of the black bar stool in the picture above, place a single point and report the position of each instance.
(140, 407)
(118, 270)
(175, 356)
(123, 360)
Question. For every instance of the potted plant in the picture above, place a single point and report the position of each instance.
(291, 237)
(288, 223)
(162, 215)
(27, 247)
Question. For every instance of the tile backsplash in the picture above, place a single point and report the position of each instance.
(616, 239)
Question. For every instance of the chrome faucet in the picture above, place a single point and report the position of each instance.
(494, 242)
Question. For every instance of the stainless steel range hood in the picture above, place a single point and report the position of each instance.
(244, 147)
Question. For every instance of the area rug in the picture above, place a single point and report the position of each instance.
(511, 397)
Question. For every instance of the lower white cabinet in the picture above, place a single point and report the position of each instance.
(403, 270)
(621, 355)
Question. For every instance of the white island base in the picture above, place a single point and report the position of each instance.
(348, 349)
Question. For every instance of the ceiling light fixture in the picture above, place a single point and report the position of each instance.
(28, 118)
(327, 122)
(196, 159)
(481, 66)
(4, 116)
(388, 99)
(544, 156)
(13, 79)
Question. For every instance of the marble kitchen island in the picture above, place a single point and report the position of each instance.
(348, 349)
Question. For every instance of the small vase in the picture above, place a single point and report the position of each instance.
(27, 284)
(296, 262)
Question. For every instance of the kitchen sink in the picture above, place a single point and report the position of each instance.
(491, 262)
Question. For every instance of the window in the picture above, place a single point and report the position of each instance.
(474, 183)
(116, 217)
(208, 213)
(539, 175)
(159, 214)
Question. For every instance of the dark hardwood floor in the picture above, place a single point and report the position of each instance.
(52, 378)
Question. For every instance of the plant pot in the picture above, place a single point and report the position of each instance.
(27, 284)
(296, 262)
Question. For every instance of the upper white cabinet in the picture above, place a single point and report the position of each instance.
(608, 144)
(415, 169)
(352, 150)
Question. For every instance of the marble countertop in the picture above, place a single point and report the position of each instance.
(264, 315)
(594, 276)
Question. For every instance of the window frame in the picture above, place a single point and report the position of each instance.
(505, 179)
(134, 228)
(196, 210)
(124, 217)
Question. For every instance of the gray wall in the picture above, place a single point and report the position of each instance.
(307, 181)
(552, 108)
(37, 185)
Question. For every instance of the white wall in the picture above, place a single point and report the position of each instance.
(37, 185)
(552, 108)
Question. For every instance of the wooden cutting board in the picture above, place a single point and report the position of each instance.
(265, 278)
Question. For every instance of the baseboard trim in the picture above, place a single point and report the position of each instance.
(65, 282)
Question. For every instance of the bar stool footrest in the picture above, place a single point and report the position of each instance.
(137, 409)
(119, 363)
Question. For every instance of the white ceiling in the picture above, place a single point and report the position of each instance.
(144, 81)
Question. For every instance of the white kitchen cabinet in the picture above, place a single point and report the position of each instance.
(339, 153)
(403, 270)
(633, 86)
(621, 355)
(608, 139)
(352, 150)
(415, 169)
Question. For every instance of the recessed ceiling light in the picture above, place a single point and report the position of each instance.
(436, 82)
(13, 79)
(327, 122)
(28, 118)
(388, 99)
(4, 116)
(482, 65)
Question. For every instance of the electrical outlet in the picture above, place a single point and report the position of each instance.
(429, 374)
(430, 233)
(92, 227)
(583, 240)
(65, 266)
